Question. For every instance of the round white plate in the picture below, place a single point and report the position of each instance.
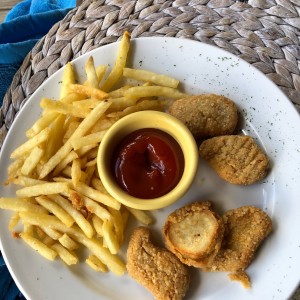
(266, 114)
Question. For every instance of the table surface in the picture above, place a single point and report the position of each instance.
(6, 5)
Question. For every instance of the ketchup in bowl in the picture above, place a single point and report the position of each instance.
(147, 163)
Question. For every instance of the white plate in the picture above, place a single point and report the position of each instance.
(266, 114)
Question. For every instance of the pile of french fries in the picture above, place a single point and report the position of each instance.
(61, 204)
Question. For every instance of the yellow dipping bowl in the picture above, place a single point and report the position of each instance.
(140, 120)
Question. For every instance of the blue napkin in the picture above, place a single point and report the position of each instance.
(8, 289)
(24, 25)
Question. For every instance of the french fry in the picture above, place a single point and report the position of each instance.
(96, 264)
(97, 196)
(48, 241)
(141, 215)
(139, 92)
(47, 188)
(100, 71)
(142, 105)
(28, 228)
(13, 169)
(110, 237)
(32, 160)
(96, 209)
(92, 78)
(40, 233)
(41, 124)
(92, 154)
(88, 91)
(90, 139)
(52, 233)
(55, 138)
(67, 172)
(68, 257)
(71, 127)
(68, 159)
(55, 159)
(97, 223)
(71, 98)
(67, 78)
(87, 103)
(85, 149)
(120, 63)
(102, 124)
(19, 205)
(118, 224)
(68, 243)
(91, 163)
(31, 143)
(119, 92)
(85, 225)
(27, 181)
(97, 184)
(13, 222)
(76, 171)
(148, 76)
(56, 210)
(89, 171)
(38, 246)
(121, 103)
(64, 108)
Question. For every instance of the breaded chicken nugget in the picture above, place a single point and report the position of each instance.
(241, 277)
(194, 233)
(245, 229)
(156, 268)
(237, 159)
(206, 115)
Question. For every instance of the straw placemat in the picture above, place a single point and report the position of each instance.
(265, 33)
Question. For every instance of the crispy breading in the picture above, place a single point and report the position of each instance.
(245, 229)
(206, 115)
(242, 277)
(237, 159)
(156, 268)
(194, 233)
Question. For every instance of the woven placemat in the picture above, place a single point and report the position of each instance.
(265, 33)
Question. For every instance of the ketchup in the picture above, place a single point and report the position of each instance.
(147, 163)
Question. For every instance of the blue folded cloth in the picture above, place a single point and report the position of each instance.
(24, 25)
(8, 289)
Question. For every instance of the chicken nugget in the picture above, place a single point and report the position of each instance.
(157, 269)
(206, 115)
(237, 159)
(241, 277)
(194, 233)
(245, 229)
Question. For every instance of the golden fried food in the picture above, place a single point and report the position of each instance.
(241, 277)
(194, 233)
(206, 115)
(237, 159)
(245, 229)
(156, 268)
